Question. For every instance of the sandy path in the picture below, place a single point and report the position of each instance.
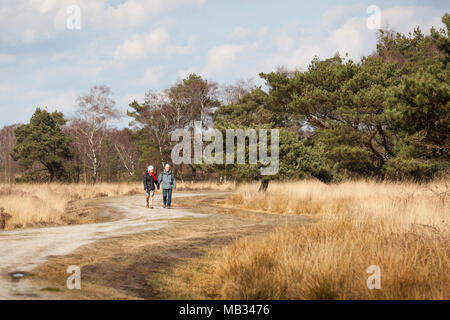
(22, 250)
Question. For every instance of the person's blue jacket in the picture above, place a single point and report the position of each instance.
(167, 180)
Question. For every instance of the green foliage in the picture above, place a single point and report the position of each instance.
(386, 116)
(296, 160)
(251, 111)
(42, 146)
(343, 103)
(440, 38)
(409, 169)
(143, 139)
(419, 113)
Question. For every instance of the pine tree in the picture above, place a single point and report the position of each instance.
(42, 146)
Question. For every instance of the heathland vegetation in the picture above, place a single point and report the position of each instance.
(403, 228)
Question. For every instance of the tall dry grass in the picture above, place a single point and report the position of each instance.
(401, 227)
(206, 186)
(31, 205)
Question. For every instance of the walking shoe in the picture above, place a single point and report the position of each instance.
(164, 206)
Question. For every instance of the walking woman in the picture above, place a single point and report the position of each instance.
(167, 181)
(150, 184)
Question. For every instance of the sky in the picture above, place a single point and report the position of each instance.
(133, 46)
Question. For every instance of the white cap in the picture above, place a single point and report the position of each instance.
(150, 168)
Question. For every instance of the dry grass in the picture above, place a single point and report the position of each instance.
(33, 205)
(206, 186)
(402, 228)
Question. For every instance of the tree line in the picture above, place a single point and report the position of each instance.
(385, 116)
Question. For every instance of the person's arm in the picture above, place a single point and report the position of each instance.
(157, 184)
(174, 183)
(145, 182)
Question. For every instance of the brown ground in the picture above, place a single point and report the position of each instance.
(139, 266)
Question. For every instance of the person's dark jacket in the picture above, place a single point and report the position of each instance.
(149, 182)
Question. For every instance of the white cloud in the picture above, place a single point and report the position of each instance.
(183, 74)
(344, 31)
(221, 58)
(64, 102)
(296, 47)
(183, 49)
(140, 46)
(406, 18)
(152, 75)
(127, 99)
(339, 14)
(122, 102)
(352, 37)
(30, 21)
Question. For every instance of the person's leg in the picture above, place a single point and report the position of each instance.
(152, 194)
(147, 198)
(164, 197)
(169, 198)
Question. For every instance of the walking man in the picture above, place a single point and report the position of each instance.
(150, 184)
(167, 182)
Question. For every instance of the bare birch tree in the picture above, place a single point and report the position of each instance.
(126, 149)
(231, 94)
(94, 114)
(160, 121)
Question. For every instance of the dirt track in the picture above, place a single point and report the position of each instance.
(23, 249)
(117, 257)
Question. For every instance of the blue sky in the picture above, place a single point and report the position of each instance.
(133, 46)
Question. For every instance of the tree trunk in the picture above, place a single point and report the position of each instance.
(264, 185)
(194, 172)
(94, 176)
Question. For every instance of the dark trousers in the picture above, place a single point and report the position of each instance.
(167, 197)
